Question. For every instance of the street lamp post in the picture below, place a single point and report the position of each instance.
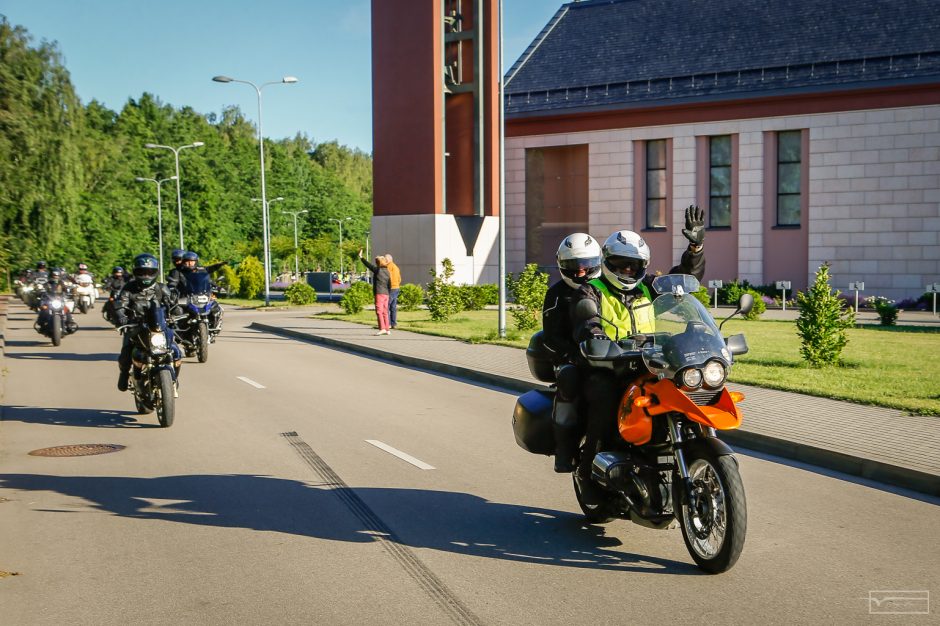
(266, 233)
(179, 198)
(340, 222)
(264, 195)
(159, 182)
(296, 262)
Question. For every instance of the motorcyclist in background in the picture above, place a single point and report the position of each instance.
(132, 304)
(175, 276)
(624, 298)
(191, 265)
(115, 282)
(579, 260)
(57, 286)
(84, 278)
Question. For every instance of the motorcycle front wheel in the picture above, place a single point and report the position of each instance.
(714, 525)
(56, 330)
(166, 403)
(202, 345)
(82, 307)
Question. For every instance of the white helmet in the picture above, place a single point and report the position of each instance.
(626, 257)
(579, 251)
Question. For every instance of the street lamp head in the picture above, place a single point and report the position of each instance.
(197, 144)
(140, 179)
(172, 177)
(277, 199)
(222, 79)
(289, 79)
(304, 211)
(151, 145)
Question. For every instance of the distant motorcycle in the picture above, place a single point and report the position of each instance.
(154, 357)
(85, 294)
(53, 315)
(667, 465)
(193, 328)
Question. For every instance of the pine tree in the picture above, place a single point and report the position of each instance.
(822, 322)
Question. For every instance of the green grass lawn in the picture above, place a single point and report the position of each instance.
(896, 367)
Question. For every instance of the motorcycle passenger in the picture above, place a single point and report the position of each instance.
(132, 304)
(56, 286)
(190, 265)
(623, 295)
(175, 276)
(579, 260)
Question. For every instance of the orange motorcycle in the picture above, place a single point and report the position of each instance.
(668, 466)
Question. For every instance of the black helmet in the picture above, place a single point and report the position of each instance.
(41, 265)
(146, 268)
(177, 256)
(56, 274)
(187, 257)
(117, 269)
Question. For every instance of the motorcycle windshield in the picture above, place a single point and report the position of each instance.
(686, 335)
(198, 283)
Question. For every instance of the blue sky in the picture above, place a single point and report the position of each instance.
(118, 49)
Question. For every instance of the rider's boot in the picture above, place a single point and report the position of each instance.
(564, 424)
(122, 380)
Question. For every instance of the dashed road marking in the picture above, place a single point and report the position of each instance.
(250, 382)
(401, 455)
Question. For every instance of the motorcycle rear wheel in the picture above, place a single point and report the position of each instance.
(714, 531)
(166, 403)
(601, 513)
(56, 330)
(202, 347)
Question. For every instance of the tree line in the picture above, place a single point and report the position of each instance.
(68, 192)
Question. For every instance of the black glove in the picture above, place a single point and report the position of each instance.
(694, 229)
(121, 321)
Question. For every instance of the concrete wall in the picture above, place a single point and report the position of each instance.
(874, 192)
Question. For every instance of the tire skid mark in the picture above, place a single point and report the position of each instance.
(433, 586)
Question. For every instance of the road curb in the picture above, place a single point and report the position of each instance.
(870, 469)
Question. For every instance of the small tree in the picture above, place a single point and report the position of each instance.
(886, 309)
(528, 291)
(300, 293)
(410, 296)
(250, 277)
(442, 295)
(356, 297)
(229, 280)
(822, 322)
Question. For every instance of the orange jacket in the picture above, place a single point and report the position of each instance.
(395, 275)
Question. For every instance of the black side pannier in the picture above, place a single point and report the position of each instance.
(540, 359)
(532, 422)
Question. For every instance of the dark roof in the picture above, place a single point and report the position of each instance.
(618, 53)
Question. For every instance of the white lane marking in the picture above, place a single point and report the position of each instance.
(250, 382)
(401, 455)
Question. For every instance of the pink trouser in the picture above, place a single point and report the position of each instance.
(381, 310)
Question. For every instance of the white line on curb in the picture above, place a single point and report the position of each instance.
(250, 382)
(401, 455)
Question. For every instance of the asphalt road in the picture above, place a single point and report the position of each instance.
(266, 503)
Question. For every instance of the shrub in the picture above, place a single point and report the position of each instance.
(759, 305)
(528, 291)
(475, 297)
(410, 297)
(886, 309)
(443, 296)
(822, 322)
(228, 280)
(356, 297)
(300, 293)
(703, 296)
(250, 277)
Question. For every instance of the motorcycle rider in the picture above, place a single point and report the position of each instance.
(132, 304)
(83, 278)
(190, 265)
(56, 286)
(115, 282)
(623, 295)
(579, 260)
(175, 276)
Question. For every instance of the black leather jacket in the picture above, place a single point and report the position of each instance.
(134, 300)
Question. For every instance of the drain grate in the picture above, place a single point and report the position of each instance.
(81, 449)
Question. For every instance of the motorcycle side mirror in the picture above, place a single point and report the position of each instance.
(745, 304)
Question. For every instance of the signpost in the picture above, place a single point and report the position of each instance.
(934, 289)
(716, 285)
(783, 285)
(856, 287)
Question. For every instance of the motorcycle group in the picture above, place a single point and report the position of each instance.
(637, 367)
(159, 322)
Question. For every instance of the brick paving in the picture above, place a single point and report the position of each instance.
(882, 444)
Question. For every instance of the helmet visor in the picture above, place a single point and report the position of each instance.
(573, 265)
(624, 265)
(145, 272)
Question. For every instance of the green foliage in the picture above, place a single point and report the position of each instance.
(250, 277)
(886, 309)
(703, 296)
(228, 279)
(475, 297)
(356, 297)
(410, 297)
(443, 296)
(300, 293)
(528, 291)
(822, 322)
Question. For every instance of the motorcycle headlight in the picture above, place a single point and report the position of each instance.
(692, 377)
(714, 374)
(158, 341)
(56, 304)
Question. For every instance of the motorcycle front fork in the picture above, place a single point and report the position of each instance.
(675, 434)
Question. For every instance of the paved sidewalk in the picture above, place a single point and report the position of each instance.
(880, 444)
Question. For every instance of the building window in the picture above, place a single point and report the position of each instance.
(789, 151)
(656, 183)
(719, 182)
(556, 200)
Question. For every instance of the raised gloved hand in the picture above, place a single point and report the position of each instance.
(694, 229)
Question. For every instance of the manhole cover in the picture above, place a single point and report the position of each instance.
(82, 449)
